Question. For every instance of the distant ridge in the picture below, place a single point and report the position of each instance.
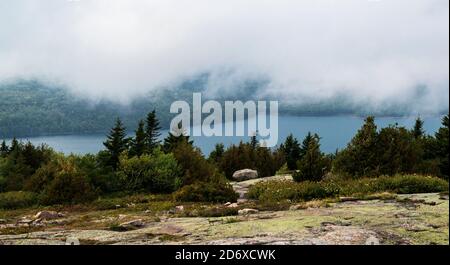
(31, 108)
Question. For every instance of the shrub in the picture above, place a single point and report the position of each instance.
(276, 191)
(206, 192)
(193, 165)
(158, 172)
(411, 184)
(17, 199)
(68, 188)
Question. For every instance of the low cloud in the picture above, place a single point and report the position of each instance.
(375, 52)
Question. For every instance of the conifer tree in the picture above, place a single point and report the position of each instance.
(15, 145)
(418, 131)
(116, 143)
(152, 133)
(254, 141)
(4, 149)
(442, 147)
(138, 143)
(172, 140)
(312, 166)
(360, 157)
(305, 144)
(217, 154)
(291, 149)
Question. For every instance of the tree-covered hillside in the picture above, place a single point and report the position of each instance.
(29, 108)
(32, 108)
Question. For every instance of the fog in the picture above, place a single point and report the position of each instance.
(371, 52)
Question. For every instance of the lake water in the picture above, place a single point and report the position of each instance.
(335, 131)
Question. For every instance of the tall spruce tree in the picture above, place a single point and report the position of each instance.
(15, 145)
(217, 154)
(312, 166)
(291, 149)
(442, 147)
(4, 149)
(172, 140)
(152, 133)
(360, 157)
(305, 144)
(138, 144)
(418, 131)
(254, 141)
(116, 143)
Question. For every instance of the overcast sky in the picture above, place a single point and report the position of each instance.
(376, 51)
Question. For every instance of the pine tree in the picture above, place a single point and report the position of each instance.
(360, 157)
(138, 143)
(291, 149)
(305, 144)
(4, 149)
(171, 141)
(418, 131)
(442, 147)
(152, 132)
(15, 145)
(254, 141)
(217, 154)
(116, 143)
(312, 166)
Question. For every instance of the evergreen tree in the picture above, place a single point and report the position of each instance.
(305, 144)
(254, 141)
(172, 140)
(312, 166)
(152, 131)
(15, 145)
(442, 147)
(359, 158)
(418, 131)
(138, 144)
(116, 143)
(4, 149)
(292, 151)
(217, 154)
(398, 151)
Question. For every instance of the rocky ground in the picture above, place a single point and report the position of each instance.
(405, 219)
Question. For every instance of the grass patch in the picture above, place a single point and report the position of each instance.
(206, 192)
(18, 230)
(366, 188)
(195, 210)
(17, 199)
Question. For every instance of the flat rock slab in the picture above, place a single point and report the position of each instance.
(356, 222)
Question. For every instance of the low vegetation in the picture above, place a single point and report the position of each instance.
(206, 192)
(276, 191)
(17, 199)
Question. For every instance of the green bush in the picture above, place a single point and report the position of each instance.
(411, 184)
(17, 199)
(206, 192)
(158, 172)
(68, 188)
(193, 165)
(276, 191)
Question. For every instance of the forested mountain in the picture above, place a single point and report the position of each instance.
(31, 108)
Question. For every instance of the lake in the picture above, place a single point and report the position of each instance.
(335, 133)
